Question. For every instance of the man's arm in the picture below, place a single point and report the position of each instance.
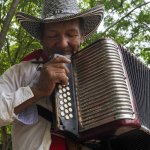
(37, 96)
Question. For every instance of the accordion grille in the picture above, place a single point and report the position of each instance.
(101, 90)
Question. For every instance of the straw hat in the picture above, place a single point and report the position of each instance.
(60, 10)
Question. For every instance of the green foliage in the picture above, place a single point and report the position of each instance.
(17, 43)
(5, 138)
(128, 22)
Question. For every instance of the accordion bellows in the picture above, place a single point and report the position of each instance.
(109, 93)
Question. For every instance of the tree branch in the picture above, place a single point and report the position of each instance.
(4, 137)
(7, 22)
(8, 51)
(124, 16)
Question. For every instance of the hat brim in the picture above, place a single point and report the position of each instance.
(91, 18)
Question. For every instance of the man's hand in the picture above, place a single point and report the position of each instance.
(52, 72)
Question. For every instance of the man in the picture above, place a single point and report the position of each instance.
(61, 30)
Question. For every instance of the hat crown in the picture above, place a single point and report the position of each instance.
(55, 8)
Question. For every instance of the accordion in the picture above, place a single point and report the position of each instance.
(108, 95)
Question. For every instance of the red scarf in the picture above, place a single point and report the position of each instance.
(58, 143)
(36, 55)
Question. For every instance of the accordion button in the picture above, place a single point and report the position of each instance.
(66, 111)
(66, 106)
(62, 114)
(61, 102)
(68, 93)
(69, 98)
(64, 95)
(61, 108)
(67, 88)
(65, 100)
(67, 117)
(69, 104)
(60, 91)
(70, 109)
(60, 96)
(64, 90)
(70, 115)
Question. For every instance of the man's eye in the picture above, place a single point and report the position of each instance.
(52, 36)
(73, 35)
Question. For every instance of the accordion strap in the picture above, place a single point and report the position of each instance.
(46, 114)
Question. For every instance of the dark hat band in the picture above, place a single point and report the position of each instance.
(58, 11)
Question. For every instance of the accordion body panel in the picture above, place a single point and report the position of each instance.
(109, 93)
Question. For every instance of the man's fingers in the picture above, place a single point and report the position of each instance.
(61, 77)
(56, 70)
(60, 59)
(61, 66)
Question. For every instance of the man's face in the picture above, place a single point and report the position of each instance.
(63, 37)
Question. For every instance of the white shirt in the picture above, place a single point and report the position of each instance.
(29, 131)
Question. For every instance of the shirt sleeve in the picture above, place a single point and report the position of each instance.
(14, 90)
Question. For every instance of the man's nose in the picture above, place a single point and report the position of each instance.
(63, 42)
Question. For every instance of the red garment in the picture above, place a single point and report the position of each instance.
(58, 143)
(36, 55)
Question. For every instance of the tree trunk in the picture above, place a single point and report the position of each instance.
(7, 22)
(4, 138)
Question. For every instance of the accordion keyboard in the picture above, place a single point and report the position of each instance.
(65, 107)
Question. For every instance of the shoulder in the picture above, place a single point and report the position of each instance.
(36, 54)
(21, 70)
(24, 65)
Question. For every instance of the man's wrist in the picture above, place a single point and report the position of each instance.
(36, 92)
